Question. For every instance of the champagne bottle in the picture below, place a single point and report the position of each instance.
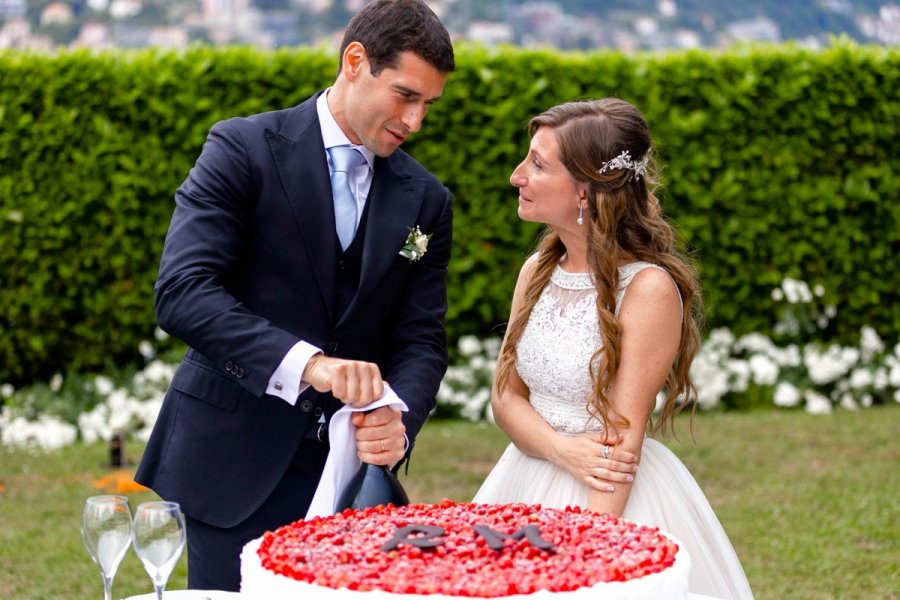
(372, 485)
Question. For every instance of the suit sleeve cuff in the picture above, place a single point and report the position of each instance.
(285, 382)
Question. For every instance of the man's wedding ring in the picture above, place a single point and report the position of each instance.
(383, 449)
(605, 449)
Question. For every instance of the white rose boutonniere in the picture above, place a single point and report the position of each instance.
(416, 244)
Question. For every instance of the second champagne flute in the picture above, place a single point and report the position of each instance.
(158, 540)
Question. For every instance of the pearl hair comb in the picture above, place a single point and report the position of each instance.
(623, 161)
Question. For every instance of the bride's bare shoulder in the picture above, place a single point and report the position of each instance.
(527, 271)
(525, 274)
(530, 264)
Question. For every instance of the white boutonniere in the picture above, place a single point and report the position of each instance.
(416, 244)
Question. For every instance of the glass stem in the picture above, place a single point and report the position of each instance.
(107, 587)
(159, 590)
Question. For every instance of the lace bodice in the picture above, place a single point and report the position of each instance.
(562, 334)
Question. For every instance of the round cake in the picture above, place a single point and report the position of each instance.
(448, 550)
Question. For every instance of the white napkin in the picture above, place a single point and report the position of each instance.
(342, 461)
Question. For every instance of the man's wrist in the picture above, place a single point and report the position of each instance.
(309, 369)
(287, 380)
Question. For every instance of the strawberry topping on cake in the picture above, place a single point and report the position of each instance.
(465, 549)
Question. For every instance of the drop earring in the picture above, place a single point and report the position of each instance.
(580, 219)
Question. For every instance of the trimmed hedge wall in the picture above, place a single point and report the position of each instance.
(780, 162)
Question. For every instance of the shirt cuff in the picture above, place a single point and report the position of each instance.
(285, 382)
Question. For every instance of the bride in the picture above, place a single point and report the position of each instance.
(602, 318)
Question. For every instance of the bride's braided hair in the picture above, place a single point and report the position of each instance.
(625, 222)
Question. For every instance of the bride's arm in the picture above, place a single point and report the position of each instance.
(580, 455)
(650, 318)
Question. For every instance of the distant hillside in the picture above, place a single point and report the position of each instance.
(585, 24)
(795, 18)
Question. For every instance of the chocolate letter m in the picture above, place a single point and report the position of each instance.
(495, 539)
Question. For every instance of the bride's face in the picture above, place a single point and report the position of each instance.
(547, 192)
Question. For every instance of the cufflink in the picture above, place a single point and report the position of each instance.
(279, 386)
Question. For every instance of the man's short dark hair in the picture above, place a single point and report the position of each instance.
(387, 28)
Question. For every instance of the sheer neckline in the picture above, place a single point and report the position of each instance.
(583, 281)
(571, 281)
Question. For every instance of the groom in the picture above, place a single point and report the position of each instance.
(282, 270)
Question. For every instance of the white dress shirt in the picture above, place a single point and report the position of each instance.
(285, 381)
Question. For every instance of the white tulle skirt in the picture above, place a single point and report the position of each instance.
(664, 495)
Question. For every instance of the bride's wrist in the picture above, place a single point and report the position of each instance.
(556, 451)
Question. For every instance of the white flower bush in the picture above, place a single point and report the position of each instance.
(47, 433)
(726, 370)
(786, 395)
(763, 369)
(130, 409)
(804, 311)
(816, 403)
(466, 388)
(750, 370)
(730, 371)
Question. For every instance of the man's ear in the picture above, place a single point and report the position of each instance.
(354, 60)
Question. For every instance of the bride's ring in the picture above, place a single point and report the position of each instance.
(605, 449)
(383, 449)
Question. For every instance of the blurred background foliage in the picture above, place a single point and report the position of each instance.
(779, 162)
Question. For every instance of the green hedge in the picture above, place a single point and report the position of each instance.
(780, 162)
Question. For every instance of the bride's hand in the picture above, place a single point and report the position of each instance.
(354, 382)
(583, 457)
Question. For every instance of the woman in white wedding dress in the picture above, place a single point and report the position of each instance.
(602, 318)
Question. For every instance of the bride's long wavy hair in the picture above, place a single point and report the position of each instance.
(625, 223)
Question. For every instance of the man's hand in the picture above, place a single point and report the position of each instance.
(585, 458)
(353, 382)
(380, 436)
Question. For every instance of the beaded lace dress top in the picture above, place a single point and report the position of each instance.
(561, 336)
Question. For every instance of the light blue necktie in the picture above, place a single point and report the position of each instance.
(343, 160)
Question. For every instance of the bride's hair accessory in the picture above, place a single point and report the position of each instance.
(623, 161)
(580, 219)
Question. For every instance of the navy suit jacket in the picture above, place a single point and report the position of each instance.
(248, 269)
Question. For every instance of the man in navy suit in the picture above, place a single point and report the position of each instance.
(286, 323)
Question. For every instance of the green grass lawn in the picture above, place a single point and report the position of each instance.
(811, 503)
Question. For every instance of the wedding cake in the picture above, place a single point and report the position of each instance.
(448, 550)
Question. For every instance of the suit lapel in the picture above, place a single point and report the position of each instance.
(393, 204)
(300, 160)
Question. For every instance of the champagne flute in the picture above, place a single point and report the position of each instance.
(106, 531)
(158, 540)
